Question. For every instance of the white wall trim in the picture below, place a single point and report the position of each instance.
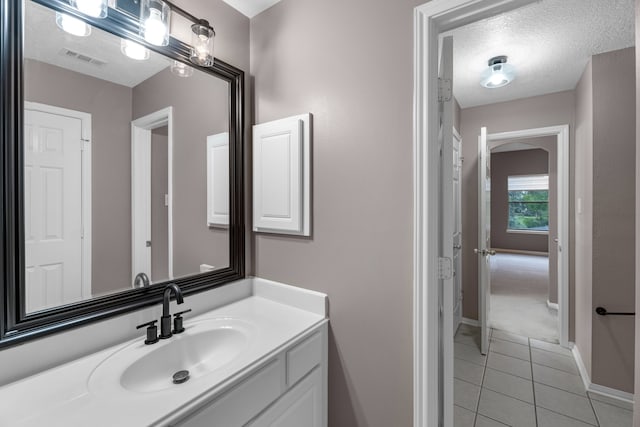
(142, 127)
(470, 322)
(85, 126)
(611, 393)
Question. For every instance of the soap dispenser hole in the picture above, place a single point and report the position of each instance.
(181, 377)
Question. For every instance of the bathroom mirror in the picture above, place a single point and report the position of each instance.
(125, 161)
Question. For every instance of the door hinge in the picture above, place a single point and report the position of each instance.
(445, 268)
(444, 90)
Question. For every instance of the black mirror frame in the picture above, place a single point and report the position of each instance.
(15, 325)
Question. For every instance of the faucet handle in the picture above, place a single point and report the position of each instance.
(152, 332)
(177, 321)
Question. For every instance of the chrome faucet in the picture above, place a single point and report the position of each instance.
(165, 320)
(141, 281)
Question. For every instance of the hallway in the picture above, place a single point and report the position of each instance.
(519, 292)
(525, 382)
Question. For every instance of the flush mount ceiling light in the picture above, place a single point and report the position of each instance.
(181, 70)
(95, 8)
(72, 25)
(202, 35)
(155, 21)
(134, 50)
(498, 73)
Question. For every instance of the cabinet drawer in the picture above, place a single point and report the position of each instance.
(303, 358)
(244, 401)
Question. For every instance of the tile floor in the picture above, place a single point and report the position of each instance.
(524, 382)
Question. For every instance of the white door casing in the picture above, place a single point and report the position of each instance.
(431, 19)
(57, 180)
(218, 180)
(484, 250)
(457, 233)
(447, 229)
(141, 190)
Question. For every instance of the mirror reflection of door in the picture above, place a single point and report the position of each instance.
(55, 174)
(159, 204)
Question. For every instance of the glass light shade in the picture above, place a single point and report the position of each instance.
(155, 22)
(202, 36)
(134, 50)
(497, 75)
(95, 8)
(72, 25)
(181, 69)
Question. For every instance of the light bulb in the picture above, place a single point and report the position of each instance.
(134, 50)
(498, 74)
(497, 78)
(181, 70)
(95, 8)
(155, 30)
(72, 25)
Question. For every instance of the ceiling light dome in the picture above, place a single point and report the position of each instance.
(498, 73)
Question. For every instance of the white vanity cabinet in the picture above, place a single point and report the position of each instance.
(286, 390)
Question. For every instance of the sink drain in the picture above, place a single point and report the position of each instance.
(181, 377)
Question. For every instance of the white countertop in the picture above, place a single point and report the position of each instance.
(64, 396)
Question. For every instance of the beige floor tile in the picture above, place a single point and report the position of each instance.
(510, 349)
(509, 385)
(558, 379)
(565, 403)
(469, 353)
(483, 421)
(611, 401)
(465, 394)
(612, 416)
(507, 410)
(467, 371)
(508, 336)
(554, 348)
(554, 360)
(547, 418)
(463, 417)
(510, 365)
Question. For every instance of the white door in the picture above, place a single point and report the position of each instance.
(484, 250)
(457, 231)
(53, 209)
(447, 222)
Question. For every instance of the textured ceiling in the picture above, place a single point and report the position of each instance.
(549, 44)
(44, 42)
(251, 8)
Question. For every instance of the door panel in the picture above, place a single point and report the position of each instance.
(53, 209)
(484, 250)
(457, 231)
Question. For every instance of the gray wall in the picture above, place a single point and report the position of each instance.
(503, 165)
(353, 71)
(194, 243)
(110, 107)
(636, 413)
(540, 111)
(159, 212)
(613, 217)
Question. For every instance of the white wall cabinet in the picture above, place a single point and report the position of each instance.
(287, 390)
(218, 180)
(282, 176)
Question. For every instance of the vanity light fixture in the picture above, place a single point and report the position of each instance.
(94, 8)
(181, 69)
(72, 25)
(202, 35)
(134, 50)
(498, 73)
(155, 22)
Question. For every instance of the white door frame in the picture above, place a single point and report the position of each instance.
(430, 19)
(141, 186)
(561, 133)
(85, 126)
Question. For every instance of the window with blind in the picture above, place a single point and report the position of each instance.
(528, 203)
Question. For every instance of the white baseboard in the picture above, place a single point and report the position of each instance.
(552, 305)
(597, 388)
(470, 322)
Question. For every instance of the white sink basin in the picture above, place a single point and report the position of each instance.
(204, 347)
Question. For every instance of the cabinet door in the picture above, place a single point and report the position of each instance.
(299, 407)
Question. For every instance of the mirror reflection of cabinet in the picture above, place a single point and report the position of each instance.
(113, 168)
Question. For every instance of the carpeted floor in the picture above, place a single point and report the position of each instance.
(519, 296)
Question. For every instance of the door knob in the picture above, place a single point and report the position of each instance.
(555, 240)
(484, 252)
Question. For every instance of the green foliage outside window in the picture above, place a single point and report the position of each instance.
(529, 210)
